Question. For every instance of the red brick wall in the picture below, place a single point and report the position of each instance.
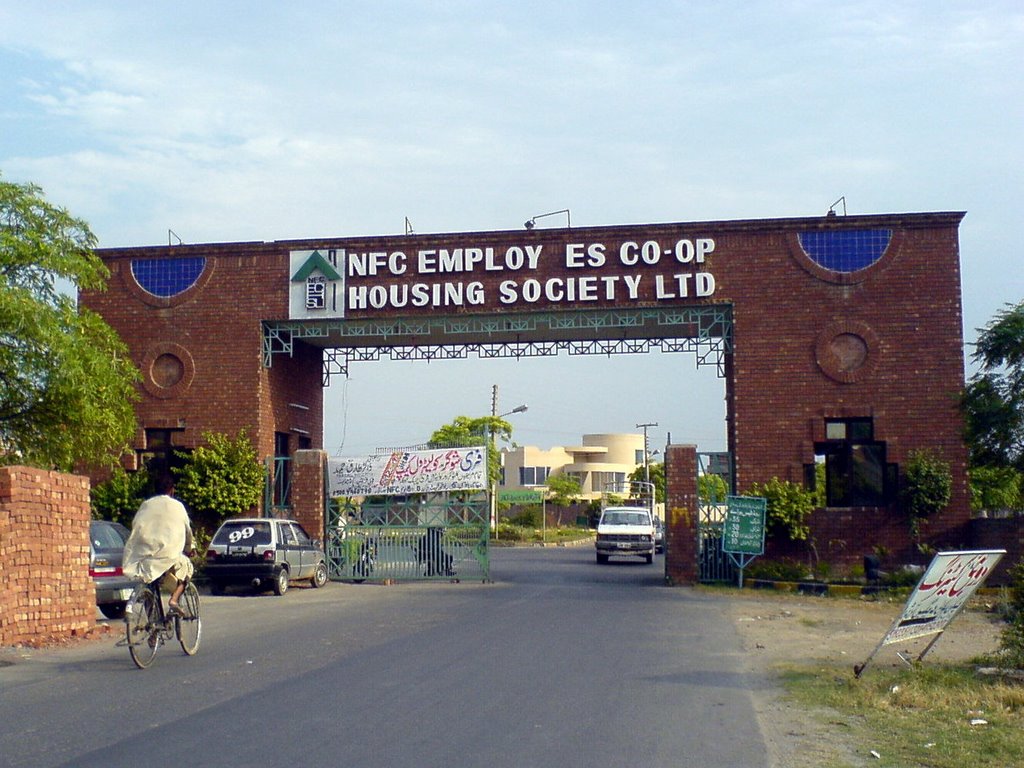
(781, 386)
(215, 329)
(45, 588)
(308, 498)
(681, 515)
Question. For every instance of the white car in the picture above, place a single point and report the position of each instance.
(625, 531)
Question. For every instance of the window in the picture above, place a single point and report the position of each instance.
(533, 475)
(160, 454)
(856, 471)
(282, 469)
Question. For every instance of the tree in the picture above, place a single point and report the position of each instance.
(993, 409)
(656, 471)
(564, 490)
(483, 430)
(221, 479)
(66, 379)
(712, 488)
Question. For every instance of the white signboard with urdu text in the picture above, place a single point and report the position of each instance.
(946, 586)
(400, 472)
(944, 589)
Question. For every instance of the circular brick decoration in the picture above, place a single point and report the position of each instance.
(847, 351)
(167, 370)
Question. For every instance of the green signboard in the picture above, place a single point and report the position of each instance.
(520, 497)
(744, 525)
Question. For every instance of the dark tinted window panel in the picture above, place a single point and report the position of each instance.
(845, 250)
(167, 277)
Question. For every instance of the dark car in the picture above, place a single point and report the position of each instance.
(659, 535)
(106, 554)
(263, 553)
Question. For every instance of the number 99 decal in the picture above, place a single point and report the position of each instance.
(242, 533)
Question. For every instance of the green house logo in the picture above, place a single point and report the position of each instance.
(317, 284)
(316, 263)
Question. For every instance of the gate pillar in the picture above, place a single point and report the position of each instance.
(307, 490)
(682, 515)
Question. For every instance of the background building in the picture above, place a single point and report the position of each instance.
(602, 463)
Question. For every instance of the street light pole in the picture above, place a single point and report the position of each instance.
(493, 509)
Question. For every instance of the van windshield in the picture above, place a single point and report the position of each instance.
(625, 518)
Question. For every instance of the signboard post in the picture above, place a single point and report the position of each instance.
(942, 592)
(743, 532)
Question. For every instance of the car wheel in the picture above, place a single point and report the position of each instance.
(281, 582)
(113, 610)
(602, 558)
(319, 576)
(649, 558)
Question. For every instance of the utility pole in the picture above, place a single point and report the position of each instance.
(647, 453)
(647, 464)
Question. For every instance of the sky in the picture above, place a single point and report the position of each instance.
(234, 121)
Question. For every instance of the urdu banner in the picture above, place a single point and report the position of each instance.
(402, 472)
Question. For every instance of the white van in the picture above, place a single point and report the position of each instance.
(625, 531)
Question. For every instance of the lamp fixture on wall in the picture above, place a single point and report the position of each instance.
(531, 223)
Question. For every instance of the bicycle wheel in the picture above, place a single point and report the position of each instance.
(189, 627)
(142, 627)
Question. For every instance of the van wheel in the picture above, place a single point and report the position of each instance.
(649, 559)
(602, 559)
(281, 582)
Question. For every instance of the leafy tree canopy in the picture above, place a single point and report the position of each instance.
(221, 479)
(657, 475)
(66, 379)
(993, 403)
(482, 430)
(564, 489)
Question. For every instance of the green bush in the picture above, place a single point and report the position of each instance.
(1011, 642)
(789, 505)
(118, 498)
(928, 488)
(526, 518)
(221, 479)
(777, 570)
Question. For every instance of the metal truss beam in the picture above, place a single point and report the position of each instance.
(704, 330)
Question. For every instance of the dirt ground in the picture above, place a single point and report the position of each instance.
(785, 629)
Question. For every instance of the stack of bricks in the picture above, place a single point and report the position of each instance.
(46, 592)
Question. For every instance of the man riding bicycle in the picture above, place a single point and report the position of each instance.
(161, 542)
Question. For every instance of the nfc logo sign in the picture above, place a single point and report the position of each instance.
(317, 284)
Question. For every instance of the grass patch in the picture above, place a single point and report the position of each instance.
(924, 716)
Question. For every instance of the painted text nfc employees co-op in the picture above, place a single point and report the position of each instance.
(590, 285)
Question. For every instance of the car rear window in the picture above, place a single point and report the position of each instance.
(107, 536)
(247, 534)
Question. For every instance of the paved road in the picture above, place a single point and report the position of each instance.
(559, 662)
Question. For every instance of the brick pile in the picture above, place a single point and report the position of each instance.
(45, 589)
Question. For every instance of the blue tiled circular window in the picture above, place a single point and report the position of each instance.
(845, 250)
(167, 277)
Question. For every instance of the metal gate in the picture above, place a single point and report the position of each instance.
(713, 564)
(428, 536)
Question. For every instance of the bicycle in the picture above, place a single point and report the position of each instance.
(148, 625)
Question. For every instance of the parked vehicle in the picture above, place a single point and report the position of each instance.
(625, 531)
(659, 535)
(264, 553)
(106, 555)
